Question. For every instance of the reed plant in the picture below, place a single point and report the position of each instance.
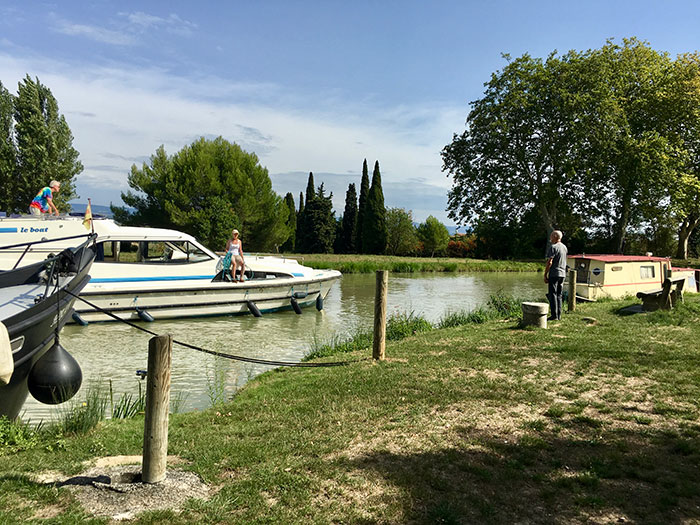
(405, 324)
(216, 382)
(128, 405)
(81, 417)
(177, 401)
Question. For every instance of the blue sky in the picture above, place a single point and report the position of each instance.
(306, 86)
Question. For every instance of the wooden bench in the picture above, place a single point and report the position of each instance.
(665, 298)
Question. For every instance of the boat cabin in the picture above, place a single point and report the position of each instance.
(599, 276)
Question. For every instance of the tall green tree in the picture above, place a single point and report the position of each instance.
(362, 208)
(374, 233)
(319, 224)
(519, 151)
(434, 235)
(42, 144)
(310, 192)
(636, 147)
(288, 245)
(401, 233)
(206, 189)
(683, 104)
(299, 234)
(346, 240)
(8, 151)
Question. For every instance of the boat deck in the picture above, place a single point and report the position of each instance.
(16, 299)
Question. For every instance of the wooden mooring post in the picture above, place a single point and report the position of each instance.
(155, 432)
(572, 290)
(379, 341)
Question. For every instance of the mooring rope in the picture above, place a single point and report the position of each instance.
(212, 352)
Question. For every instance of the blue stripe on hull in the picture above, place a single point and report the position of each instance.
(151, 279)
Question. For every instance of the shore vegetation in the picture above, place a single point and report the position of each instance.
(353, 263)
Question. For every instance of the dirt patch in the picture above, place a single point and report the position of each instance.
(112, 487)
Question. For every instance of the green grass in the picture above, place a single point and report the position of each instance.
(370, 263)
(479, 422)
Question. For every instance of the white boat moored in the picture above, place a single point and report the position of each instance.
(154, 273)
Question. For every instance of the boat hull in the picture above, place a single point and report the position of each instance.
(33, 332)
(207, 299)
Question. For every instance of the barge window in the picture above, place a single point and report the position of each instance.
(646, 272)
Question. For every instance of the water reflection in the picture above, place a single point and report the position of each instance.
(111, 351)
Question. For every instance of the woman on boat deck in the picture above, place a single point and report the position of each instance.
(235, 248)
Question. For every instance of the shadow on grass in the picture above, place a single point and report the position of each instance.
(642, 476)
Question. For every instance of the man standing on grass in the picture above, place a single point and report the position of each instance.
(554, 274)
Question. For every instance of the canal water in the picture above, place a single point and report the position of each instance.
(114, 351)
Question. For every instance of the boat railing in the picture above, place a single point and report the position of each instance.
(28, 244)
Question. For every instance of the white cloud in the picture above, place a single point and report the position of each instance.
(98, 34)
(172, 23)
(119, 116)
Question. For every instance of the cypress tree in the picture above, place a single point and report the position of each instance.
(374, 236)
(310, 188)
(319, 224)
(305, 227)
(361, 209)
(300, 227)
(346, 238)
(288, 245)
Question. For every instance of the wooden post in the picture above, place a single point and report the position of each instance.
(572, 290)
(155, 432)
(379, 342)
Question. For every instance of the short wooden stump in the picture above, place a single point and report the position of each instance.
(535, 314)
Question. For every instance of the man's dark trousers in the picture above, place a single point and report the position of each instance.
(556, 289)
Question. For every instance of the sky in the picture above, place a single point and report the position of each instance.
(306, 86)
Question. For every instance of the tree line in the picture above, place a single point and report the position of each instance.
(602, 144)
(366, 225)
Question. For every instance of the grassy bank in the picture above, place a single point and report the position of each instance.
(592, 420)
(371, 263)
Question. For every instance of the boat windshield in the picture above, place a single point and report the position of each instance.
(156, 252)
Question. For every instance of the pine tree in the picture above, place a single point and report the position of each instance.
(374, 231)
(346, 237)
(288, 245)
(361, 209)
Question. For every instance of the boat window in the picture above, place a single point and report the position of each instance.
(646, 272)
(616, 268)
(151, 252)
(106, 252)
(171, 252)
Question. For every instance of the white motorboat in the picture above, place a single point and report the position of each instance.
(153, 273)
